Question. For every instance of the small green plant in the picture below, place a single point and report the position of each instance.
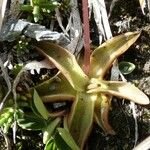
(38, 7)
(41, 120)
(89, 96)
(126, 67)
(22, 45)
(6, 119)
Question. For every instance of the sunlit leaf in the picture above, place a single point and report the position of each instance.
(122, 90)
(65, 62)
(81, 117)
(66, 136)
(48, 131)
(101, 113)
(126, 67)
(40, 106)
(5, 115)
(105, 54)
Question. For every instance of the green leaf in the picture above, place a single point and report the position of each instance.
(103, 56)
(31, 122)
(65, 62)
(123, 90)
(48, 131)
(101, 113)
(51, 145)
(27, 8)
(5, 115)
(81, 117)
(8, 124)
(54, 89)
(126, 67)
(66, 136)
(40, 106)
(50, 6)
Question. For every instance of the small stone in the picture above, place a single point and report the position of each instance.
(144, 85)
(146, 68)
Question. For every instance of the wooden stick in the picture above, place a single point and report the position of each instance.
(86, 36)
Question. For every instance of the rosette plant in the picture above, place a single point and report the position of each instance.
(89, 95)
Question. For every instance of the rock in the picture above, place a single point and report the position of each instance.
(144, 85)
(146, 68)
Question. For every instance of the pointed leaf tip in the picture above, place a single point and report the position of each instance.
(123, 90)
(128, 91)
(65, 62)
(103, 56)
(39, 105)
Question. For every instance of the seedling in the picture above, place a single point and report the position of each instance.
(37, 7)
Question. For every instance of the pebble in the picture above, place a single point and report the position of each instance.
(144, 85)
